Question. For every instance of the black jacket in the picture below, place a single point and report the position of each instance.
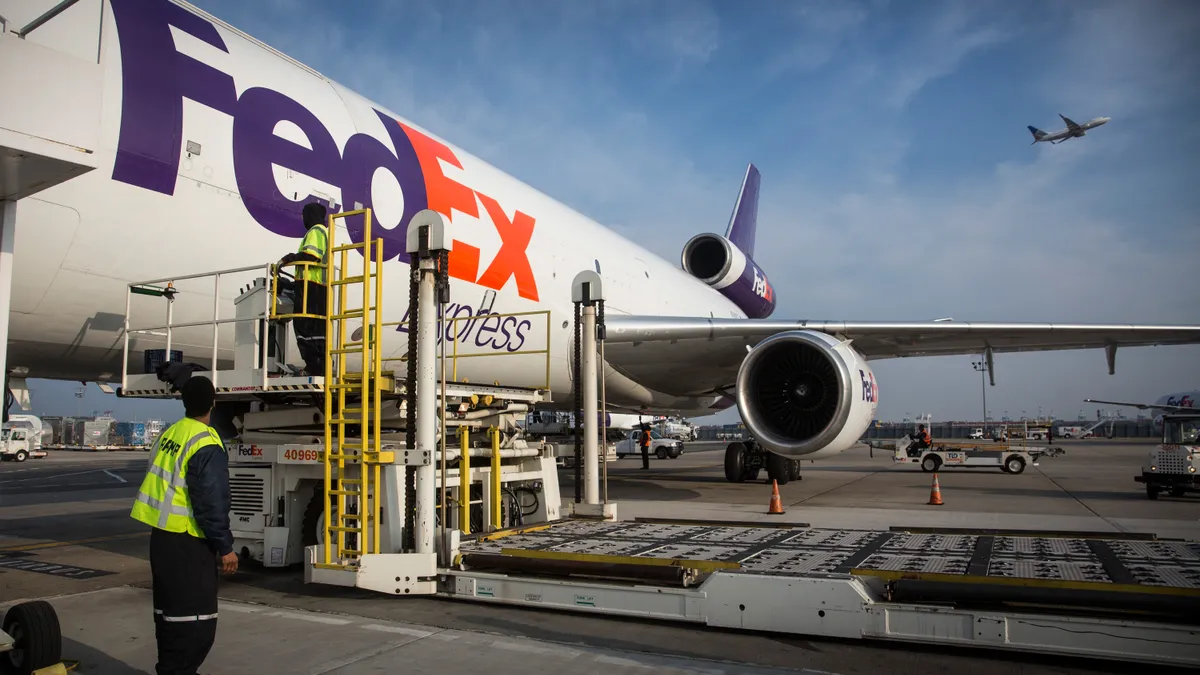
(208, 489)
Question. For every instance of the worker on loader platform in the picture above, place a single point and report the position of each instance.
(309, 290)
(185, 499)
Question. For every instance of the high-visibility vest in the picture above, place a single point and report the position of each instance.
(316, 242)
(163, 500)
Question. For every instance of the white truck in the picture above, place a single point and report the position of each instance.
(1173, 464)
(1008, 457)
(660, 447)
(16, 444)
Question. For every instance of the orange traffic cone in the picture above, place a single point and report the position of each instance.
(935, 495)
(776, 505)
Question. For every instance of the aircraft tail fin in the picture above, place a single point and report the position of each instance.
(744, 220)
(1038, 134)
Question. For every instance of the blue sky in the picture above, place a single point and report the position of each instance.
(898, 177)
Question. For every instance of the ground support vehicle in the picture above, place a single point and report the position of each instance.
(1173, 465)
(17, 446)
(660, 447)
(1008, 457)
(1131, 599)
(745, 460)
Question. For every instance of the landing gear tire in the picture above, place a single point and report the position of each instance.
(1014, 465)
(735, 463)
(37, 638)
(778, 468)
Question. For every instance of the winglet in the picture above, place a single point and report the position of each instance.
(744, 220)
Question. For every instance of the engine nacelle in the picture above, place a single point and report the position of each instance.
(719, 263)
(806, 394)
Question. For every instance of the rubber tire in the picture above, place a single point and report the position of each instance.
(661, 452)
(1178, 492)
(674, 454)
(735, 463)
(22, 456)
(41, 641)
(931, 463)
(794, 474)
(1151, 491)
(778, 469)
(1014, 465)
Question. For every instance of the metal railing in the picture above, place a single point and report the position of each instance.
(153, 288)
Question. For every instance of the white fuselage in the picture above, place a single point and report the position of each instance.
(210, 142)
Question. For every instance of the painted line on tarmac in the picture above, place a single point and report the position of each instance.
(115, 476)
(57, 475)
(75, 542)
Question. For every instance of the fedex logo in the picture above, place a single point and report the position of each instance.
(156, 78)
(870, 391)
(762, 288)
(1182, 401)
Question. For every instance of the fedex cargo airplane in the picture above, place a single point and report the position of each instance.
(146, 138)
(1181, 401)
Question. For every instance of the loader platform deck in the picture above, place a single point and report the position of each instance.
(1077, 560)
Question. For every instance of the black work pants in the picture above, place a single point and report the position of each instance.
(645, 457)
(310, 333)
(184, 571)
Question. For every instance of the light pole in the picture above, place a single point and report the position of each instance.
(982, 367)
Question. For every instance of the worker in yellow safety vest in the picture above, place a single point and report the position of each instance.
(309, 289)
(185, 499)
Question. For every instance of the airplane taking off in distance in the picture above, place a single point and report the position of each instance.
(1182, 401)
(152, 141)
(1073, 130)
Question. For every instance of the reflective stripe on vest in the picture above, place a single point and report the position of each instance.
(316, 242)
(163, 500)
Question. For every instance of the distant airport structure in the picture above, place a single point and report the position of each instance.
(1073, 130)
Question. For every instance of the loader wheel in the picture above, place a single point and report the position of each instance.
(735, 463)
(22, 456)
(1177, 492)
(1151, 491)
(37, 638)
(1014, 465)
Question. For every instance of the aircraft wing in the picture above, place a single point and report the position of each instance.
(1070, 124)
(686, 356)
(1143, 406)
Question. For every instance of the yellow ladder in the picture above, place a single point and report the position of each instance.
(352, 467)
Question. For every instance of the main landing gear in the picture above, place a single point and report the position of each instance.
(744, 460)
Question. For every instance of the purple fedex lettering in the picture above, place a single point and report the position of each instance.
(256, 148)
(155, 78)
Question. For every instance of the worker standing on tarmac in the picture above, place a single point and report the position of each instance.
(310, 289)
(185, 499)
(645, 446)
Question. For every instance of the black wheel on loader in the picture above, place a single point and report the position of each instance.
(37, 638)
(735, 463)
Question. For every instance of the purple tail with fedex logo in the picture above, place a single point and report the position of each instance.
(726, 263)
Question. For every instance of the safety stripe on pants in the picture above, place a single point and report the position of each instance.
(190, 617)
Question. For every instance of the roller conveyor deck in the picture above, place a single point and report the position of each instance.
(1071, 561)
(1135, 598)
